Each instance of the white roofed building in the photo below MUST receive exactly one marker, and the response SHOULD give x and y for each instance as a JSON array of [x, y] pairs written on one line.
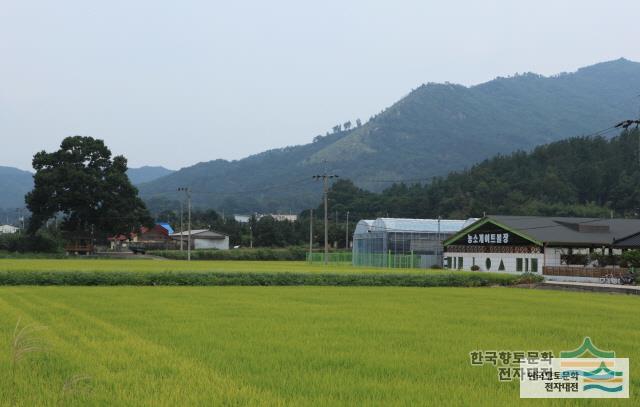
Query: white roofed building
[[400, 243], [203, 239]]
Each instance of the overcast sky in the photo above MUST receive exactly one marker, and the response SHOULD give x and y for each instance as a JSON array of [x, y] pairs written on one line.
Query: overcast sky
[[173, 83]]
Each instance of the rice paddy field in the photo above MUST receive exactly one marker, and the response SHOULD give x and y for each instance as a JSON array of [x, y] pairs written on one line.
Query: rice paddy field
[[293, 346], [144, 264]]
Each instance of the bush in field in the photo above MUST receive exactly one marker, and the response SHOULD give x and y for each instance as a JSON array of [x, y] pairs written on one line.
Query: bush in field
[[528, 278], [290, 253]]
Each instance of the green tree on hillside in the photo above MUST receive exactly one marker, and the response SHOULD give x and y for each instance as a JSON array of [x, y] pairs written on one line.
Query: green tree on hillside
[[87, 186], [582, 176]]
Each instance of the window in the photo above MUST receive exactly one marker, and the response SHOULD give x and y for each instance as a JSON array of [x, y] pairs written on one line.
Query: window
[[488, 263], [447, 262], [534, 265], [526, 264], [460, 262], [518, 264]]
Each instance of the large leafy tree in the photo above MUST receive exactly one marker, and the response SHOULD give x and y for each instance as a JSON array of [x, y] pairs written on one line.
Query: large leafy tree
[[87, 186]]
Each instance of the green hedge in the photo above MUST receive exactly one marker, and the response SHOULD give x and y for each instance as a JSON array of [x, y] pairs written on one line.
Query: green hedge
[[17, 255], [114, 278], [289, 253], [41, 243]]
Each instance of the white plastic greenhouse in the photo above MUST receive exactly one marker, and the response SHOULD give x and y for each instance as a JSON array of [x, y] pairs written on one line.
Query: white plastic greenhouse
[[403, 243]]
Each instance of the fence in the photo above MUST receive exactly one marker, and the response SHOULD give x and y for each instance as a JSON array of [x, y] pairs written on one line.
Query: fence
[[592, 272], [391, 260], [388, 260], [334, 258]]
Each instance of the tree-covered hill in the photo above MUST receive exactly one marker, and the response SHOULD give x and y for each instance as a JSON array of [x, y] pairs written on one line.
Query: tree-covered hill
[[583, 176], [147, 174], [435, 129], [14, 184]]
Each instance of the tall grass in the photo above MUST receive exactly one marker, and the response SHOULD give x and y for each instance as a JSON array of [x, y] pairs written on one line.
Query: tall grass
[[25, 340]]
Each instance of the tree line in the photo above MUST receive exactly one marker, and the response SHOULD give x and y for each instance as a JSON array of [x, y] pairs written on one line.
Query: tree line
[[582, 176], [585, 176]]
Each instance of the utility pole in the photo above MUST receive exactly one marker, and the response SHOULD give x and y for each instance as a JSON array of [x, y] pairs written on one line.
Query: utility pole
[[92, 239], [181, 223], [438, 251], [325, 188], [347, 233], [187, 191], [311, 235]]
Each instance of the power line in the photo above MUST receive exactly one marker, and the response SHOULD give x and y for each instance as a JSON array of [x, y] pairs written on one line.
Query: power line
[[231, 193]]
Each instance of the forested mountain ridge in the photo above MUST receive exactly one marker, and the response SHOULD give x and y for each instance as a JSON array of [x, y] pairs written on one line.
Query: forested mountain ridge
[[15, 183], [435, 129], [582, 176], [147, 174]]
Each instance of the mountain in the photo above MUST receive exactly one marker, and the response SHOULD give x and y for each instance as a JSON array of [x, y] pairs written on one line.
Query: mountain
[[582, 176], [14, 184], [435, 129], [147, 174]]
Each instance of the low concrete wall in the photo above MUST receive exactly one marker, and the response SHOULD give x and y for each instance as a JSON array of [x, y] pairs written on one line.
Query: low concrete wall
[[572, 279]]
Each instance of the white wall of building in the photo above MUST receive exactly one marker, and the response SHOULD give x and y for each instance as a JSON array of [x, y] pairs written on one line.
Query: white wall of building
[[220, 244], [509, 260], [552, 256], [7, 229]]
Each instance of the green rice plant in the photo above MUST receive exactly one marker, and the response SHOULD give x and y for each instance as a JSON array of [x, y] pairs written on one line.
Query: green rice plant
[[302, 346], [76, 384], [259, 254]]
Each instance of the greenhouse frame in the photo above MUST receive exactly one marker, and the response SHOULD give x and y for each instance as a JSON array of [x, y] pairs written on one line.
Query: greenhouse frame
[[403, 243]]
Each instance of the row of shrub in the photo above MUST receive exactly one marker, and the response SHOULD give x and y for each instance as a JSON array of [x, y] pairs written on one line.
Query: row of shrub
[[22, 243], [289, 253], [32, 255], [134, 278]]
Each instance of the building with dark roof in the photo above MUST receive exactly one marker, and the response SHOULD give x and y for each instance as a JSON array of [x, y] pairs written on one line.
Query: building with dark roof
[[541, 244]]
